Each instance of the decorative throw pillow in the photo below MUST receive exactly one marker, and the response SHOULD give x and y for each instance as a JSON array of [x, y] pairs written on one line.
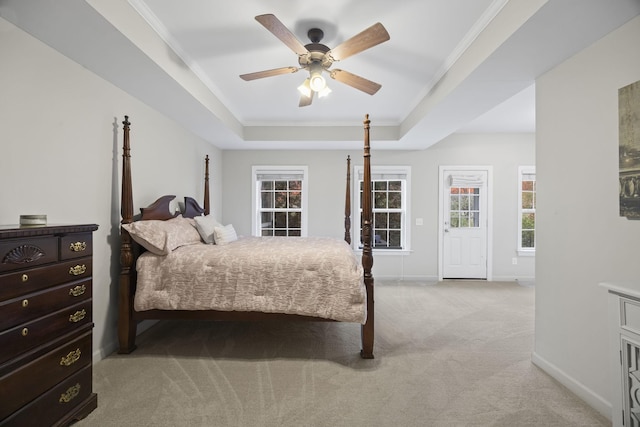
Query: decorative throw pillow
[[205, 226], [224, 235], [161, 237]]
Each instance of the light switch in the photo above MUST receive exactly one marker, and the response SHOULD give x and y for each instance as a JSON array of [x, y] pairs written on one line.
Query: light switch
[[418, 221]]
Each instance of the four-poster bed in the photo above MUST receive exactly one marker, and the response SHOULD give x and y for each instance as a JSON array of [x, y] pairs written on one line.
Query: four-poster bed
[[328, 285]]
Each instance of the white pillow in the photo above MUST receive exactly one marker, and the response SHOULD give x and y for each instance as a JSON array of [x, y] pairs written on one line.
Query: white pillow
[[205, 226], [224, 235]]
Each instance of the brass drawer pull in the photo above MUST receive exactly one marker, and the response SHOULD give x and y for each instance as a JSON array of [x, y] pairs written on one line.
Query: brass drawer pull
[[77, 291], [25, 332], [25, 303], [78, 270], [77, 316], [78, 246], [25, 278], [70, 394], [71, 358]]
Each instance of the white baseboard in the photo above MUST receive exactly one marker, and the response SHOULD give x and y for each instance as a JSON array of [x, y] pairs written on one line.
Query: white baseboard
[[594, 400], [112, 346]]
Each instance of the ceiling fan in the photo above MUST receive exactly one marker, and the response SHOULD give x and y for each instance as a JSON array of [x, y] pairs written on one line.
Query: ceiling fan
[[318, 58]]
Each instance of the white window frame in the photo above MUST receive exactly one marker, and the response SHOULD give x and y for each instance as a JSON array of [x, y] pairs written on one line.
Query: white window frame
[[404, 174], [522, 171], [255, 193]]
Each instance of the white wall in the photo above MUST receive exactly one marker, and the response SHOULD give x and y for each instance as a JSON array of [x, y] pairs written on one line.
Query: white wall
[[61, 156], [581, 238], [327, 170]]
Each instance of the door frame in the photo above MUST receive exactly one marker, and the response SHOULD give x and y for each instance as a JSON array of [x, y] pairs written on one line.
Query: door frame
[[441, 219]]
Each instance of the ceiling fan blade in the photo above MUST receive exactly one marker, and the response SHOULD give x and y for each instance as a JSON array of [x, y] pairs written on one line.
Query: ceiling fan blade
[[370, 37], [277, 28], [306, 100], [357, 82], [268, 73]]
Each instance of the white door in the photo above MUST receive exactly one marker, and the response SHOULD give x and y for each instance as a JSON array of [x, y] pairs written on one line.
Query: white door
[[464, 228]]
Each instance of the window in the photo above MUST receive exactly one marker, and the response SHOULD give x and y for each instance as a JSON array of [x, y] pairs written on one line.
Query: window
[[390, 187], [279, 201], [526, 210], [464, 208]]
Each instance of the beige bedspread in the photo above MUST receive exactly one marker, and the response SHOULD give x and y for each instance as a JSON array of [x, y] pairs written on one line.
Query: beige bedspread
[[312, 276]]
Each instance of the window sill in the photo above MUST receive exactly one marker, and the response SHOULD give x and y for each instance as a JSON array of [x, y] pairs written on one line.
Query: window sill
[[386, 252], [527, 253]]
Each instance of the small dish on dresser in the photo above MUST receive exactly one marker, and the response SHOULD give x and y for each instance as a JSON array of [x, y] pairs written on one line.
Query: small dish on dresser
[[32, 220]]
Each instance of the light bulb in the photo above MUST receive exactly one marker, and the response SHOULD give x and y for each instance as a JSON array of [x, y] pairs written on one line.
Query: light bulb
[[317, 83], [305, 89]]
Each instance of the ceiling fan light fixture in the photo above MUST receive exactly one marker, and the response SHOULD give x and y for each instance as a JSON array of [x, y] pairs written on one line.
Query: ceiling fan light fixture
[[305, 88], [324, 92], [316, 81]]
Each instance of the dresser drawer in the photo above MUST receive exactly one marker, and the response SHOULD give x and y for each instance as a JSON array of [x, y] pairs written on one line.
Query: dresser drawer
[[37, 377], [32, 334], [30, 306], [17, 254], [70, 400], [27, 281], [76, 245]]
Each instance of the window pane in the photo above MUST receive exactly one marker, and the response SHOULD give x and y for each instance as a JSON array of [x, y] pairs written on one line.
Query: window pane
[[379, 185], [380, 200], [464, 219], [280, 185], [527, 185], [475, 202], [380, 238], [528, 221], [280, 219], [474, 219], [527, 200], [395, 185], [381, 220], [295, 199], [395, 220], [295, 220], [267, 199], [394, 238], [280, 200], [455, 220], [455, 203], [295, 185], [528, 239], [266, 218], [280, 232], [267, 185], [295, 233], [395, 200], [266, 233], [464, 202]]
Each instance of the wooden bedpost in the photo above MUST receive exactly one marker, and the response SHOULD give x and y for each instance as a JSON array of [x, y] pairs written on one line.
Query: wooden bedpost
[[126, 324], [347, 204], [207, 209], [367, 330]]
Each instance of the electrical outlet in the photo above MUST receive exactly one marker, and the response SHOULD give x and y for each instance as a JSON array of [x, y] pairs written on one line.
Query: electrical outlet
[[514, 261]]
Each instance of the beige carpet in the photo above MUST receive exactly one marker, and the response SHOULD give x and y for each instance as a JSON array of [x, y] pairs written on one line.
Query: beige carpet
[[447, 354]]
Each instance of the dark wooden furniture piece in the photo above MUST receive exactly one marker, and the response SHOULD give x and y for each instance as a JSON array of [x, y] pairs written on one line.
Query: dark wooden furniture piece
[[45, 324], [128, 317]]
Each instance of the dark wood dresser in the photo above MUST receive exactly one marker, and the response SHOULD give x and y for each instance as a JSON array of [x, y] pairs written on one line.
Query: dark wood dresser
[[46, 324]]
